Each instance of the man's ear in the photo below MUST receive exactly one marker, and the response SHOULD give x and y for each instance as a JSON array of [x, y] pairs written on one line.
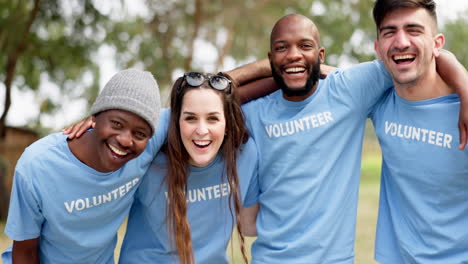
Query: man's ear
[[322, 55], [376, 48], [439, 42]]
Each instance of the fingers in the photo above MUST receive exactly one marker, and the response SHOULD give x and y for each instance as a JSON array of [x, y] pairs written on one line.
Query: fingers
[[78, 129], [463, 132], [325, 70], [73, 130], [66, 130], [84, 125]]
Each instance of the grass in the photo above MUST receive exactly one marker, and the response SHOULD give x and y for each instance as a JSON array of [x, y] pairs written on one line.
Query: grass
[[4, 240]]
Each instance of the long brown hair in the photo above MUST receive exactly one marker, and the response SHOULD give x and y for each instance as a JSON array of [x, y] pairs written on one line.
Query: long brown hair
[[176, 178]]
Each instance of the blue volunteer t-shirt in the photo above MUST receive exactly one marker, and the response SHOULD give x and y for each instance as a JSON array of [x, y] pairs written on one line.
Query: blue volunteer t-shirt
[[310, 159], [208, 213], [423, 210], [74, 209]]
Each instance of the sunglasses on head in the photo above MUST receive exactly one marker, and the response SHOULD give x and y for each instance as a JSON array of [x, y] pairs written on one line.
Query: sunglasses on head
[[217, 82]]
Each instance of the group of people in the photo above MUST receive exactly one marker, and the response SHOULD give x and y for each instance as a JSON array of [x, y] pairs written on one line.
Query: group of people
[[284, 167]]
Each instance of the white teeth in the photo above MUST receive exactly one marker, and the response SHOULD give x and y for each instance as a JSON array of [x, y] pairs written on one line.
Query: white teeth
[[294, 69], [118, 151], [202, 142], [404, 57]]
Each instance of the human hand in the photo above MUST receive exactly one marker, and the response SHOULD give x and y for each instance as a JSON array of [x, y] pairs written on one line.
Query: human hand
[[463, 122], [325, 70], [76, 130]]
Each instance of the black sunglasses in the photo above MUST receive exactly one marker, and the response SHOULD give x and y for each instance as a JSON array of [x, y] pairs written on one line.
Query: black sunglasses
[[217, 82]]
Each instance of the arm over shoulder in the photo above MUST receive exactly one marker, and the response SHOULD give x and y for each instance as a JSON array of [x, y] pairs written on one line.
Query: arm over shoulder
[[160, 136], [365, 83]]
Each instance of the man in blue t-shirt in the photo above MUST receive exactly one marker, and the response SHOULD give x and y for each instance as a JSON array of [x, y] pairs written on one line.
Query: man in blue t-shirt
[[69, 197], [423, 208], [309, 137]]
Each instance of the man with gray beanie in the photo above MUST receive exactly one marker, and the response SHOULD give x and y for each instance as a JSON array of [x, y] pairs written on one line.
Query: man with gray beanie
[[69, 197]]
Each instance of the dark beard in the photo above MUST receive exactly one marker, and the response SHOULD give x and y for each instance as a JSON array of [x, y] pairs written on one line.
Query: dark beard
[[311, 81]]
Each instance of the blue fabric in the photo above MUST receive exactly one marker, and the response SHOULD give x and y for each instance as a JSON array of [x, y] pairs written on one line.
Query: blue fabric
[[209, 216], [423, 210], [6, 255], [74, 209], [309, 167]]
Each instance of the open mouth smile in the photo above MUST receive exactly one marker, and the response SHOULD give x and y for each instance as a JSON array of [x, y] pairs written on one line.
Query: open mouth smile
[[202, 143], [401, 59], [295, 70], [117, 152]]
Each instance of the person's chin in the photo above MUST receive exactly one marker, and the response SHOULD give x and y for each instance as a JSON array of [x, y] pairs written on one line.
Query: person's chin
[[296, 86], [295, 91]]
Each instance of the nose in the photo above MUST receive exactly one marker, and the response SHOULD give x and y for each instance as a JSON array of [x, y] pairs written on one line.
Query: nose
[[402, 40], [294, 53], [125, 139], [202, 128]]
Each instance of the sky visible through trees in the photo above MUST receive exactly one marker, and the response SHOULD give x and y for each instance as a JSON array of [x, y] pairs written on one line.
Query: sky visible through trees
[[53, 87]]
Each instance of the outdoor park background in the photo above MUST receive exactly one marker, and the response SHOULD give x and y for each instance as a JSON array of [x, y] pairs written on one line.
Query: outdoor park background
[[57, 54]]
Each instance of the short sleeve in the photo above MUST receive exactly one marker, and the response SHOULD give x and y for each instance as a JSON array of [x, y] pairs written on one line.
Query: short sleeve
[[365, 83], [25, 216], [160, 135], [251, 197], [248, 173]]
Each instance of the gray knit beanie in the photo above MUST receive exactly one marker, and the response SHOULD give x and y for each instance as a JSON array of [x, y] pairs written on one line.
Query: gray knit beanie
[[134, 91]]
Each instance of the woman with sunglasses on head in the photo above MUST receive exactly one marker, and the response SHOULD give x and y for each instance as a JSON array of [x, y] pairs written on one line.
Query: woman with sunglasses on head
[[192, 195]]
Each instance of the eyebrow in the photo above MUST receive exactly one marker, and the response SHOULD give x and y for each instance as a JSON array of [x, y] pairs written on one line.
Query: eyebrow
[[414, 25], [284, 41], [125, 121], [191, 113]]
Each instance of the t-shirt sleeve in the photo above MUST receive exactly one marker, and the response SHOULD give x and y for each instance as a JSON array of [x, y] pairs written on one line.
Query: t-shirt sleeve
[[152, 182], [248, 111], [253, 191], [248, 162], [374, 111], [365, 83], [160, 135], [25, 216]]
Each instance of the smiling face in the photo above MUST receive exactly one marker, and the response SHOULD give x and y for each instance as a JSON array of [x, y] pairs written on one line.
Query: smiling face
[[295, 56], [407, 45], [202, 125], [120, 137]]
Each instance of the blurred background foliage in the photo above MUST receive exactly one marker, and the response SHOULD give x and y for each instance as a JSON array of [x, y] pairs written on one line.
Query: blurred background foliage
[[56, 42], [45, 43]]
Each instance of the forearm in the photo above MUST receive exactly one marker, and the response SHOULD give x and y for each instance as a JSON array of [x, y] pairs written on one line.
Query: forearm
[[325, 70], [258, 85], [256, 89], [26, 252], [251, 72], [261, 69], [453, 72], [249, 219], [456, 76]]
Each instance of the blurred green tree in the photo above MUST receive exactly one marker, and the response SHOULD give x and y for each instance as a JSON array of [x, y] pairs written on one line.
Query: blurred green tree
[[165, 40], [52, 37], [456, 33], [60, 37]]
